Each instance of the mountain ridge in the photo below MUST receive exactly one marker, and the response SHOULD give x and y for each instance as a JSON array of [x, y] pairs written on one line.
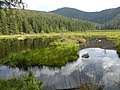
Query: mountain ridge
[[97, 17]]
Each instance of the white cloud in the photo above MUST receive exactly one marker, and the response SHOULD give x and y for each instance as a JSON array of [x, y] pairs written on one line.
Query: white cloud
[[85, 5]]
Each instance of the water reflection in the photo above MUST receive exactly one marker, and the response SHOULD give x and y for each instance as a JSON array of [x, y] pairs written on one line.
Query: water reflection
[[101, 66], [8, 46], [102, 42]]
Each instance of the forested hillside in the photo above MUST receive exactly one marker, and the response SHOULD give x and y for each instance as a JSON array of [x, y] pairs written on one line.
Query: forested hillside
[[97, 17], [14, 21], [113, 24]]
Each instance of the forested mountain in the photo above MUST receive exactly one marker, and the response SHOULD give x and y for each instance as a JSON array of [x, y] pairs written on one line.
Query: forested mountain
[[97, 17], [15, 21], [113, 24]]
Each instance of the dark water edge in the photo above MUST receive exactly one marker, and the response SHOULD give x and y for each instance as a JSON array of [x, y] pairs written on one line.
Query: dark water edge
[[99, 68], [8, 46], [101, 42], [102, 67]]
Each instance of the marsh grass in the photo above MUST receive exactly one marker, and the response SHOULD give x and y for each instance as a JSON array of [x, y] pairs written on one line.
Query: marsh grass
[[23, 83], [57, 54], [112, 34]]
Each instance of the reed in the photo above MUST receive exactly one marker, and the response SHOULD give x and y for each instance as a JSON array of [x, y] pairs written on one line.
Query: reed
[[57, 54]]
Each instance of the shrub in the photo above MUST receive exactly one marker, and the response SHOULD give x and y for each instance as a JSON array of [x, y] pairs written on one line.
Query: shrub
[[23, 83]]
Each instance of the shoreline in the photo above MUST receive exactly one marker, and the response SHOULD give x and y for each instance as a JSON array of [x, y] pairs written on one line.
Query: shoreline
[[108, 34]]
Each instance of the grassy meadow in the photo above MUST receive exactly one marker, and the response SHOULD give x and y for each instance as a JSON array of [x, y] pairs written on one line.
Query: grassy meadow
[[112, 34]]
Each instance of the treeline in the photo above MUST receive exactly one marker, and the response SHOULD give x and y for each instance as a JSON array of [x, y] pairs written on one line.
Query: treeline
[[113, 24], [16, 21], [108, 19]]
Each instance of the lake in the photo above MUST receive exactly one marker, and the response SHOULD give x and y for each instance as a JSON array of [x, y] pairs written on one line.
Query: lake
[[102, 66]]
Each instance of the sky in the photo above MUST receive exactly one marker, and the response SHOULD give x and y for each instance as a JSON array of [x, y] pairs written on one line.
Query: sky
[[84, 5]]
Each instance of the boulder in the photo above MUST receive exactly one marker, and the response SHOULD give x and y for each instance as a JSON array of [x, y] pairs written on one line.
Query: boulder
[[81, 40], [85, 55]]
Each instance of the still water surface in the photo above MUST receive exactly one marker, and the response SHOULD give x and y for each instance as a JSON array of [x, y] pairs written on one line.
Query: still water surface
[[102, 66], [8, 46]]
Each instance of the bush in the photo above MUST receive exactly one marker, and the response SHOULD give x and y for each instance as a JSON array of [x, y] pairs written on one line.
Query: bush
[[23, 83]]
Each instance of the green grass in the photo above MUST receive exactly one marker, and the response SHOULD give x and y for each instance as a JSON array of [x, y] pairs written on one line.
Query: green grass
[[23, 83], [58, 54], [29, 35], [112, 34], [108, 34]]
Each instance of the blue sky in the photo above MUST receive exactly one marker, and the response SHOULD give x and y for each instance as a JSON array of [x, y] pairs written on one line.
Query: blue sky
[[84, 5]]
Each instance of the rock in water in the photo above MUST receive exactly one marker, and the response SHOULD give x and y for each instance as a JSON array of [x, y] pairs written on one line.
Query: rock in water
[[85, 55]]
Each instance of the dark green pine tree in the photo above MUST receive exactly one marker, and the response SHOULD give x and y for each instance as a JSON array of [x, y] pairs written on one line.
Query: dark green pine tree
[[19, 21], [12, 22], [27, 28], [34, 25], [3, 22]]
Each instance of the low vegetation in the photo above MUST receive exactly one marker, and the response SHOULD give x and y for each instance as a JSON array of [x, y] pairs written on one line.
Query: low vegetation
[[91, 87], [112, 34], [58, 54], [23, 83], [30, 83]]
